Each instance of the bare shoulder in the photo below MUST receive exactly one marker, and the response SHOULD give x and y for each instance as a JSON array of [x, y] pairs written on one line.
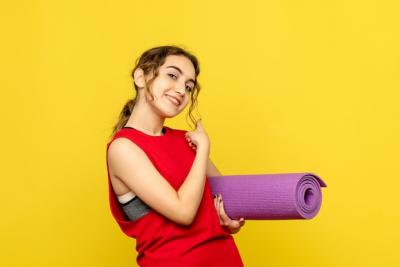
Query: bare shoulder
[[120, 143], [122, 148], [119, 149], [123, 153]]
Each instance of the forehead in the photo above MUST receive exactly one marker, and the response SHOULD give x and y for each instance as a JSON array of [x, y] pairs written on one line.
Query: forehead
[[182, 63]]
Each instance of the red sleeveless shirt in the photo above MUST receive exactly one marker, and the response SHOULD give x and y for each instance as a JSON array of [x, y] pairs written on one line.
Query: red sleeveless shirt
[[159, 241]]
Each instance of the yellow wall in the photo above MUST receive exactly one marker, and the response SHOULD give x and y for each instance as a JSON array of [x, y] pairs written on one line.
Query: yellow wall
[[288, 86]]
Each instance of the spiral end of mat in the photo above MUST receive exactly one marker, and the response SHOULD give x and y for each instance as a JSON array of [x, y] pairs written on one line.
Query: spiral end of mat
[[309, 195]]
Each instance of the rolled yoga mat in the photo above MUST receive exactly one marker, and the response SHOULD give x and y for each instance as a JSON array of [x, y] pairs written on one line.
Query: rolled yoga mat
[[269, 196]]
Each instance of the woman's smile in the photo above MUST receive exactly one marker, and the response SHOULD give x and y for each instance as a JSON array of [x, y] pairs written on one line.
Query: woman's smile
[[173, 100]]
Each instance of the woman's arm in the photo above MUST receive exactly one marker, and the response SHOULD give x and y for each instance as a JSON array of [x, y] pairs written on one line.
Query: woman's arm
[[130, 164], [212, 169]]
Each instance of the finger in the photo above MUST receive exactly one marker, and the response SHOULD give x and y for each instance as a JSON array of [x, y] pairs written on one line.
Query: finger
[[216, 208], [225, 218], [236, 224], [192, 145], [218, 205]]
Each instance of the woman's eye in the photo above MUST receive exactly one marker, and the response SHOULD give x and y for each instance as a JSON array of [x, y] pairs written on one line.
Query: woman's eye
[[172, 76]]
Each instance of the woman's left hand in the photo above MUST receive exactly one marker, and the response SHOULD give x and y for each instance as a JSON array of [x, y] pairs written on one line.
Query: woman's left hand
[[229, 225]]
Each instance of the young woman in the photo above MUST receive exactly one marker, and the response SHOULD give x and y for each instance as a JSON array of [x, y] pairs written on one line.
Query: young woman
[[158, 188]]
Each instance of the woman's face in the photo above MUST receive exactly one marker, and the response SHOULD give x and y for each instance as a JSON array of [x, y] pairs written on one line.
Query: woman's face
[[173, 85]]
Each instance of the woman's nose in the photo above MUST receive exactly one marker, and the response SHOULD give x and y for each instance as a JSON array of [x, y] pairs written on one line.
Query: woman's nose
[[180, 90]]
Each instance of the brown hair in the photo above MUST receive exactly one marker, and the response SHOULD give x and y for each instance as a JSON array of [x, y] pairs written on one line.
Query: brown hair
[[150, 62]]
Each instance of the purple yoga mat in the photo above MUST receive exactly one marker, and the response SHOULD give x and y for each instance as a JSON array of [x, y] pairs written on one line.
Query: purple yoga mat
[[269, 196]]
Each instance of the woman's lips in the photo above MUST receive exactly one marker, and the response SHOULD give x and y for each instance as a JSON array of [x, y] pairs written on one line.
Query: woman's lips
[[173, 100]]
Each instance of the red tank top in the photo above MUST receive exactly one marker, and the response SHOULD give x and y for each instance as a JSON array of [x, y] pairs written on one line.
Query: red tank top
[[159, 241]]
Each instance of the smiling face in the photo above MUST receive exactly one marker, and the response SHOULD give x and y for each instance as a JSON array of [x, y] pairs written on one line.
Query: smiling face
[[173, 86]]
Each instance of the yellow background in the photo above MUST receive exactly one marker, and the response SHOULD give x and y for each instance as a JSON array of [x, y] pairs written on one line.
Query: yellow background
[[288, 86]]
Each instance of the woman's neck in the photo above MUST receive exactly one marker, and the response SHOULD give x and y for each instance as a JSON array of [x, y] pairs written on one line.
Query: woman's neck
[[145, 120]]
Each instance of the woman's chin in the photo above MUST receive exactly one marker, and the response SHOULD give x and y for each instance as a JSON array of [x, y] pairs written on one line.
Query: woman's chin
[[169, 113]]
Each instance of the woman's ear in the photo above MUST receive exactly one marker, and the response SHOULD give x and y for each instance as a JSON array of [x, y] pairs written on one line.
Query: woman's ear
[[138, 77]]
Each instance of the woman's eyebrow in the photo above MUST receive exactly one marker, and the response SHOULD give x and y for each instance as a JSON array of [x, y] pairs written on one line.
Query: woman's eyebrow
[[180, 71]]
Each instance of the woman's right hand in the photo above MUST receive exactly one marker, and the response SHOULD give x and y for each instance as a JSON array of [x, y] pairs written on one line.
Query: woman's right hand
[[198, 139]]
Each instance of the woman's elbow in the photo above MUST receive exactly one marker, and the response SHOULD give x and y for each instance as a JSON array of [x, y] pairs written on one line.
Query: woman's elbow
[[185, 218]]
